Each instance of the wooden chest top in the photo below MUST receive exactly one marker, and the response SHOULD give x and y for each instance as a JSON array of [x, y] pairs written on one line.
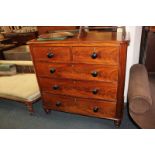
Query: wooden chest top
[[100, 38]]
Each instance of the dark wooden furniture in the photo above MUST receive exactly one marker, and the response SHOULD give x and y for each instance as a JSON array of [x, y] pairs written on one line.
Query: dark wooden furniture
[[18, 53], [5, 41], [4, 47], [21, 38], [83, 76], [151, 28], [103, 28], [147, 51]]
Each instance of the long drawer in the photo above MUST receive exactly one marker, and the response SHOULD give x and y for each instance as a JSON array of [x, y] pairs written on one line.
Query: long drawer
[[88, 107], [52, 54], [96, 55], [85, 89], [78, 71]]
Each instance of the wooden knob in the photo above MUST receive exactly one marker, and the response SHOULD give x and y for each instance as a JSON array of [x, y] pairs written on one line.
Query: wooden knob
[[52, 70], [50, 55], [95, 91], [95, 109], [55, 87], [58, 103], [94, 74], [94, 55]]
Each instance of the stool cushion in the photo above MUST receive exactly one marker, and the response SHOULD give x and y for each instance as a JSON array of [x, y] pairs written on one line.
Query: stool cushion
[[21, 87], [17, 62]]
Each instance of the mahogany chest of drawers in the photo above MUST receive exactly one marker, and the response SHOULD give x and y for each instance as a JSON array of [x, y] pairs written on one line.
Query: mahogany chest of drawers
[[83, 76]]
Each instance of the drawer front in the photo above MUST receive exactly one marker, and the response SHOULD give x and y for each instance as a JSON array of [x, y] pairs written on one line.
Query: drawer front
[[88, 107], [78, 71], [85, 89], [96, 55], [52, 54]]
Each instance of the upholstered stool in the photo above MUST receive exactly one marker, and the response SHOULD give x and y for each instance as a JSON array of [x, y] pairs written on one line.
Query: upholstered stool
[[22, 87]]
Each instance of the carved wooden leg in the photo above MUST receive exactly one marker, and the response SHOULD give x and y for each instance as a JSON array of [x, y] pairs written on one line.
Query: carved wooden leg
[[117, 123], [30, 107]]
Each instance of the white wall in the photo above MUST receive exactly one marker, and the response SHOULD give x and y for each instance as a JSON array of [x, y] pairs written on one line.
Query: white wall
[[133, 51]]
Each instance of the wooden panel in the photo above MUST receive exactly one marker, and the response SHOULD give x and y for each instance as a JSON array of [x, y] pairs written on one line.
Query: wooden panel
[[106, 91], [105, 55], [78, 71], [103, 109], [121, 84], [57, 54]]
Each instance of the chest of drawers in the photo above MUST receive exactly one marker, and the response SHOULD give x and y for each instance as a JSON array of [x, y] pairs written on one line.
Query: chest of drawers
[[83, 76]]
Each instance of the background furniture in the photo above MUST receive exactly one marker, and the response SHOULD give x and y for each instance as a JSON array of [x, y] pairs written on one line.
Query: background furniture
[[151, 28], [18, 53], [4, 47], [147, 52], [22, 87], [21, 38], [5, 41], [83, 76], [141, 96], [46, 29], [103, 28]]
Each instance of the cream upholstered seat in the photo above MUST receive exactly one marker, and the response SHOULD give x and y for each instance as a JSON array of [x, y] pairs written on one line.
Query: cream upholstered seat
[[21, 63], [21, 87]]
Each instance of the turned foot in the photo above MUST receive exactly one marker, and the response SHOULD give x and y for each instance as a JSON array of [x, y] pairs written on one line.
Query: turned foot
[[31, 113], [117, 123], [47, 111]]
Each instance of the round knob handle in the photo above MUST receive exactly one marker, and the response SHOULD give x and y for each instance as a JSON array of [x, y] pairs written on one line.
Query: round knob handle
[[55, 87], [58, 103], [52, 70], [95, 91], [50, 55], [95, 109], [94, 73], [94, 55]]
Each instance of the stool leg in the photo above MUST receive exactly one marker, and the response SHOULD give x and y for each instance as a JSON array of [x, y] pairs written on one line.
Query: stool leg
[[30, 107]]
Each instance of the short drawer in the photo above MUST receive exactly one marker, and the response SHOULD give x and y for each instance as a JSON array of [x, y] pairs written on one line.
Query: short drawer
[[78, 71], [88, 107], [96, 55], [51, 54], [85, 89]]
